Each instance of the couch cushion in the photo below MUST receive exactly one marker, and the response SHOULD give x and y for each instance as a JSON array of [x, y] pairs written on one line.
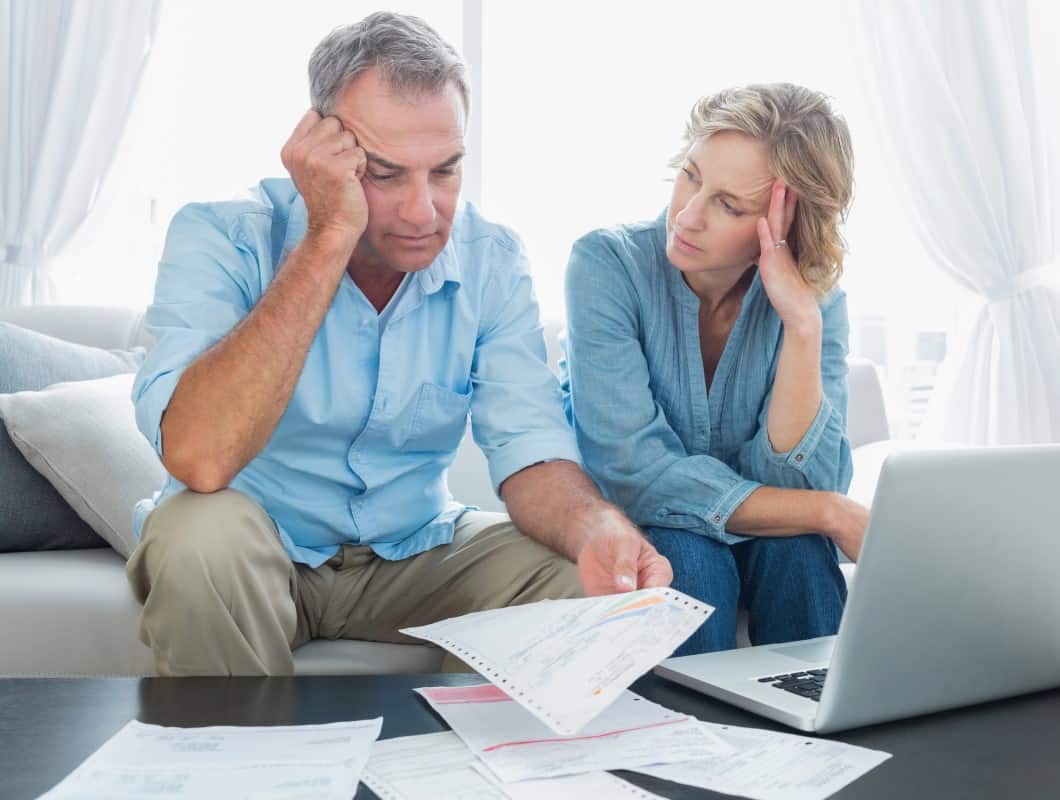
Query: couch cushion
[[82, 437], [33, 516], [71, 613]]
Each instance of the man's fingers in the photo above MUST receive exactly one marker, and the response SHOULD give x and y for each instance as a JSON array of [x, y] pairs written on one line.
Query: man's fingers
[[355, 160], [655, 569], [305, 124], [327, 129]]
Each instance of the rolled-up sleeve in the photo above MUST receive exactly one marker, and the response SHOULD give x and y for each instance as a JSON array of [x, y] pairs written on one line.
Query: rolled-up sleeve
[[821, 460], [627, 445], [516, 406], [201, 292]]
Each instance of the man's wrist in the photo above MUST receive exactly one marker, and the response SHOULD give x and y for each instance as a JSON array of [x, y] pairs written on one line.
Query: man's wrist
[[590, 519], [330, 243]]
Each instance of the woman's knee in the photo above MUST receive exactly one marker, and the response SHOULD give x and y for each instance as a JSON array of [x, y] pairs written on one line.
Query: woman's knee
[[703, 567]]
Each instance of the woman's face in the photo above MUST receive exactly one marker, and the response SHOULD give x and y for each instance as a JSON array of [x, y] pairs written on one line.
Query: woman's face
[[720, 191]]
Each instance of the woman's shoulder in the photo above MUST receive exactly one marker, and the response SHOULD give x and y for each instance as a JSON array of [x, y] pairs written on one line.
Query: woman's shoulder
[[621, 250]]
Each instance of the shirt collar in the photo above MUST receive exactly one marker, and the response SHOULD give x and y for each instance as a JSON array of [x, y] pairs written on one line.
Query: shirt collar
[[445, 268]]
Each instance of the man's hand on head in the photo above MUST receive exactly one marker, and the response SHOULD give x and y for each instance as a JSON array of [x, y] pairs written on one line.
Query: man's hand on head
[[327, 166]]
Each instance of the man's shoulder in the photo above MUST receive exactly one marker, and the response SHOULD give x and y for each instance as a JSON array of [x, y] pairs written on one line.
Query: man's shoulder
[[257, 207], [472, 230]]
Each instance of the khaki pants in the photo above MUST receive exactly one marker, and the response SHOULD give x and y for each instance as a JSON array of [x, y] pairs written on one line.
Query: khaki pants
[[222, 597]]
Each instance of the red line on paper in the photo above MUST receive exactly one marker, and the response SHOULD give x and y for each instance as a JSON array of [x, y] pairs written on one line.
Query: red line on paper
[[581, 738]]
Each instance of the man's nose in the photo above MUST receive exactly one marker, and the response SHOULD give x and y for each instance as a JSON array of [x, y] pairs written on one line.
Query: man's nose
[[418, 206]]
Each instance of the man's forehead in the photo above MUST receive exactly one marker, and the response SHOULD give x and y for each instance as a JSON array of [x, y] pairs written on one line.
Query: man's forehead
[[402, 130]]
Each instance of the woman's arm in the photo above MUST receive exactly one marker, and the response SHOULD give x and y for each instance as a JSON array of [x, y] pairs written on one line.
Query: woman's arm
[[820, 457], [797, 390], [771, 511], [801, 442]]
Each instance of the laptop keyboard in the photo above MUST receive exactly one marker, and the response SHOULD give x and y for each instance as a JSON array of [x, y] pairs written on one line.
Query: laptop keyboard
[[806, 684]]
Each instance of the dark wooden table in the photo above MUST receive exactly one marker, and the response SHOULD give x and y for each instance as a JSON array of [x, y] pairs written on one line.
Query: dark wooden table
[[1007, 749]]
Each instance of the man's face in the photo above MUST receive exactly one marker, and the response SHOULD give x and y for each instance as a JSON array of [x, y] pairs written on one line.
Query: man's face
[[412, 182]]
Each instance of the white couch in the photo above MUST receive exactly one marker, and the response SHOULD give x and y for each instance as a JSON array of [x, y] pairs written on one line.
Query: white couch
[[71, 612]]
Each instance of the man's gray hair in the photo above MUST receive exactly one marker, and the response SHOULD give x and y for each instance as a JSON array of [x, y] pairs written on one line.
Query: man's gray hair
[[411, 55]]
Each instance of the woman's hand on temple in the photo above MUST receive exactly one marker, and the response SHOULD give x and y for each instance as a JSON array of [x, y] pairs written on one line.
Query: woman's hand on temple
[[794, 300]]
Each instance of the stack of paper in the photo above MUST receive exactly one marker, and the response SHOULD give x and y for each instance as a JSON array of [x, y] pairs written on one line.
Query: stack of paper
[[515, 746], [559, 706], [441, 765]]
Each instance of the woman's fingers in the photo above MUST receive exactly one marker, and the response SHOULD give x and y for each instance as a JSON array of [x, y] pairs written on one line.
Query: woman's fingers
[[790, 200], [765, 239], [777, 228]]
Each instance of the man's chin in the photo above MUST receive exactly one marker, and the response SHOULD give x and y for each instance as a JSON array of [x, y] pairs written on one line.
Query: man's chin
[[411, 264]]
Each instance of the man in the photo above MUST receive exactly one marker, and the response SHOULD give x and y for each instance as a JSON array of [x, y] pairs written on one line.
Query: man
[[319, 348]]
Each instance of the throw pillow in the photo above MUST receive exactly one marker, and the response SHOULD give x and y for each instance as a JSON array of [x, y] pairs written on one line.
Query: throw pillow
[[83, 438], [33, 515]]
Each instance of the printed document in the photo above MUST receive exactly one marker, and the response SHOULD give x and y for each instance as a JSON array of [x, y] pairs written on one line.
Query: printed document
[[440, 765], [567, 660], [275, 762], [765, 765], [516, 746]]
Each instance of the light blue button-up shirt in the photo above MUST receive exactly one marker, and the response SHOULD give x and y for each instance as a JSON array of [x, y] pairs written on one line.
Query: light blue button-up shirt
[[669, 452], [361, 452]]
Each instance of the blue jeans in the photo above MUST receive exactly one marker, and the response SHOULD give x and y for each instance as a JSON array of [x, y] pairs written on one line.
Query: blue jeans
[[791, 586]]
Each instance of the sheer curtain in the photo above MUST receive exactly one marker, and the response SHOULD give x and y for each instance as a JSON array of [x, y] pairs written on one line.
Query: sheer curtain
[[72, 69], [968, 120]]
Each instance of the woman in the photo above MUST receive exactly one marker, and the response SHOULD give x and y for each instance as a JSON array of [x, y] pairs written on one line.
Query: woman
[[706, 362]]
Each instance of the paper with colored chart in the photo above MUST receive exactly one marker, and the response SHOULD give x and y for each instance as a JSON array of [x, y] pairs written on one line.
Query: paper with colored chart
[[567, 660], [437, 765], [516, 746]]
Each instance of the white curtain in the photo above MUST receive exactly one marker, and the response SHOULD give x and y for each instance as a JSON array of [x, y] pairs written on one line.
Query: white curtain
[[70, 72], [973, 145]]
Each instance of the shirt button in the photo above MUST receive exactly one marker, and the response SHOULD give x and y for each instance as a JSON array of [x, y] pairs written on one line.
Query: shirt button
[[798, 458], [717, 519], [662, 512], [365, 323]]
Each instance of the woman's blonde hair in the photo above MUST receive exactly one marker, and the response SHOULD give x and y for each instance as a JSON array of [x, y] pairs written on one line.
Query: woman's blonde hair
[[809, 149]]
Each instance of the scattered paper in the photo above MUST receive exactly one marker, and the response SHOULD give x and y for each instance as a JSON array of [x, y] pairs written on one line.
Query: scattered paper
[[765, 765], [587, 786], [427, 767], [516, 746], [296, 762], [440, 765], [567, 660]]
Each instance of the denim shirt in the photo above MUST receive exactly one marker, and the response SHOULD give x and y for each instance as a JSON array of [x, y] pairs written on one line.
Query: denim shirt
[[661, 446], [361, 451]]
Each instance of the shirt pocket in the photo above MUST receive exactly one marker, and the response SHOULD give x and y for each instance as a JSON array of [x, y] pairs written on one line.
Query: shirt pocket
[[439, 421]]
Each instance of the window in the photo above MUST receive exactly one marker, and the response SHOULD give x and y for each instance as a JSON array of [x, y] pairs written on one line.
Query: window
[[581, 106]]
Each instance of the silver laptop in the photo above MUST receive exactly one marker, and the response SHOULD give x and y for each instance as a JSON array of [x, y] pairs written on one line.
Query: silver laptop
[[955, 601]]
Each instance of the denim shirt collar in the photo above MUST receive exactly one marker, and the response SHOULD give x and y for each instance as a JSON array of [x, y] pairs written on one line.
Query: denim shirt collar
[[445, 268]]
